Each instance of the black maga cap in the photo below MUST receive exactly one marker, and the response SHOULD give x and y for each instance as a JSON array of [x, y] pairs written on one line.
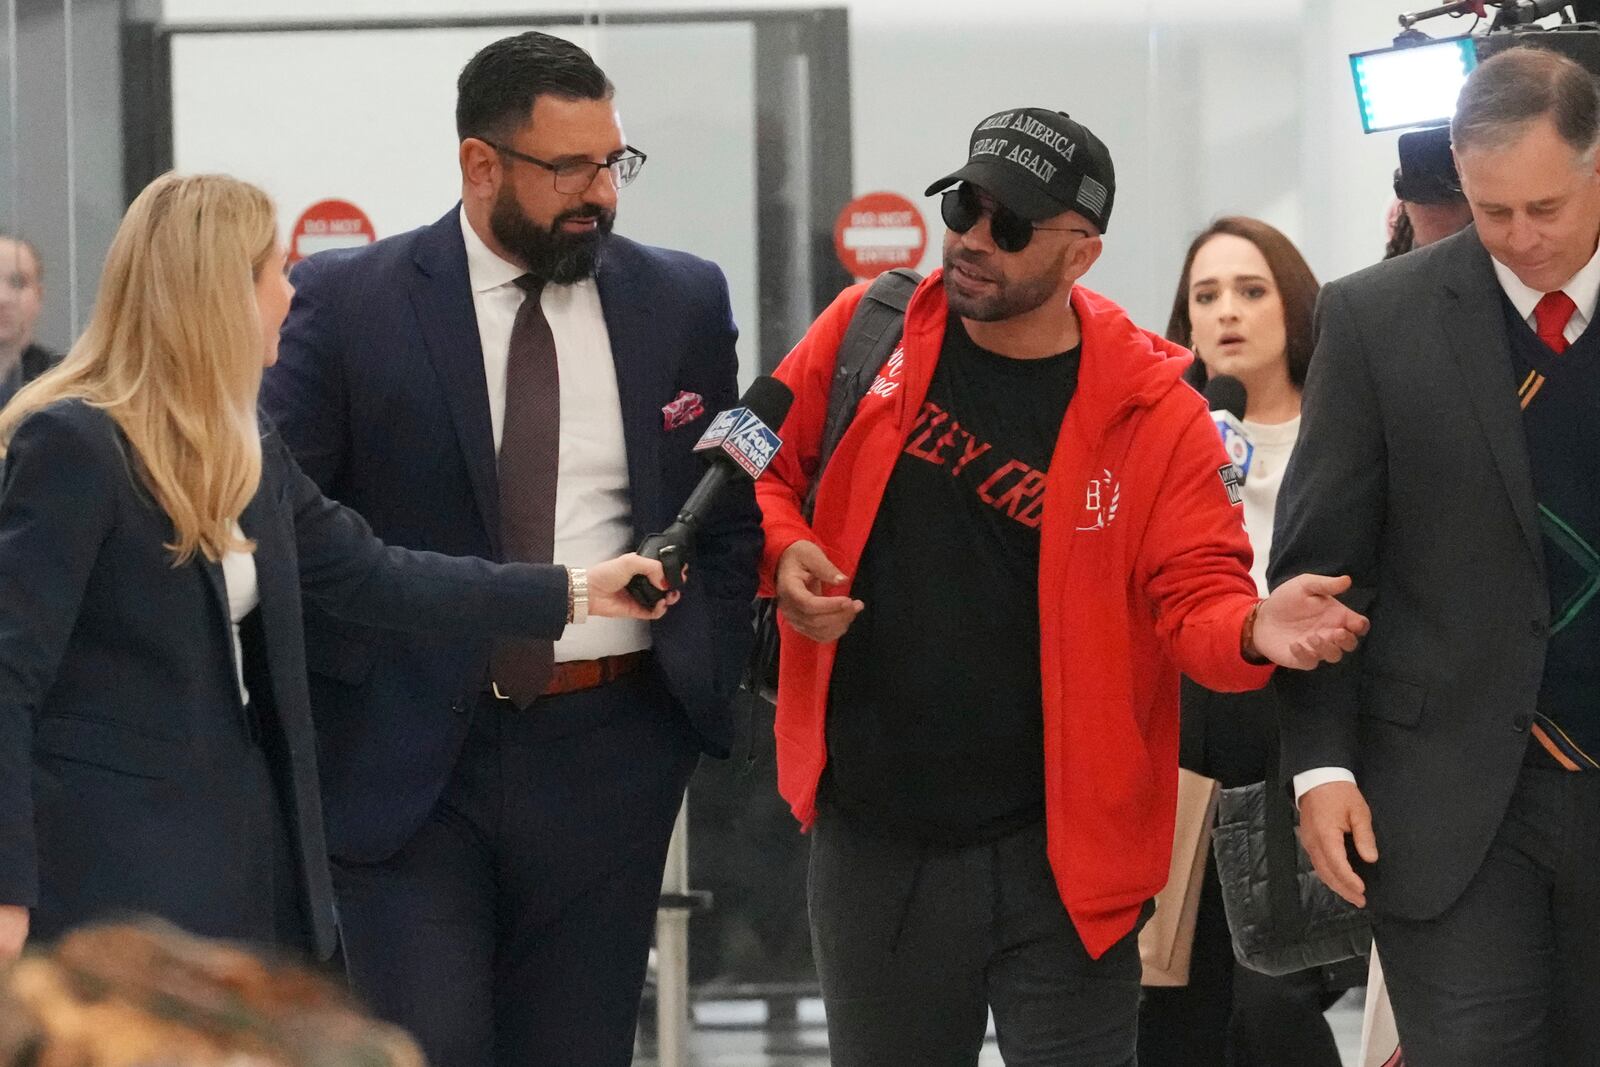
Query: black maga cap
[[1039, 163]]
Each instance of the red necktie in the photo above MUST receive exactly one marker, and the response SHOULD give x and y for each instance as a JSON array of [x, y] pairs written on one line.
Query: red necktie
[[1550, 318], [530, 450]]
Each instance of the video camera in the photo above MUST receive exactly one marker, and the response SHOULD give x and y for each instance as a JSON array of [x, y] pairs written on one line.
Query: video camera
[[1413, 84]]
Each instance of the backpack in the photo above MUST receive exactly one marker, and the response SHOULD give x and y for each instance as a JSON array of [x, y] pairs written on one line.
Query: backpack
[[873, 334]]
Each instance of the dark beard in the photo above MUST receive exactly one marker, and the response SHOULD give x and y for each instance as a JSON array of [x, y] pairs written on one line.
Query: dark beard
[[1009, 301], [548, 253]]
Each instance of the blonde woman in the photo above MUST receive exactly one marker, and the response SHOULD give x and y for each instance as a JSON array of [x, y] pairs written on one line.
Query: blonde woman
[[156, 746]]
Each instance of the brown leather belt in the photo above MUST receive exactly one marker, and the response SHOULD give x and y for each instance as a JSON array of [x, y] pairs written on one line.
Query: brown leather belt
[[574, 676]]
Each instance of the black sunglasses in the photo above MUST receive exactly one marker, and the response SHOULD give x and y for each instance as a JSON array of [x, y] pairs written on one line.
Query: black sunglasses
[[962, 207]]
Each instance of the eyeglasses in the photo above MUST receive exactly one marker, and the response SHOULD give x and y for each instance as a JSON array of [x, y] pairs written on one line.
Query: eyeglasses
[[576, 175], [963, 206]]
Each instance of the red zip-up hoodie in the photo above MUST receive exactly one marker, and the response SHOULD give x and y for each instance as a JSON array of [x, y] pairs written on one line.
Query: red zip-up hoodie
[[1144, 571]]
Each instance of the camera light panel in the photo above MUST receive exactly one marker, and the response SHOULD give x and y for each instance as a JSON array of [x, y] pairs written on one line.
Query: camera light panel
[[1413, 85]]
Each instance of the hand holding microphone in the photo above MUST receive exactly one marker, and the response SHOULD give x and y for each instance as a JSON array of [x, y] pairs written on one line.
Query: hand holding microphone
[[610, 592], [739, 443]]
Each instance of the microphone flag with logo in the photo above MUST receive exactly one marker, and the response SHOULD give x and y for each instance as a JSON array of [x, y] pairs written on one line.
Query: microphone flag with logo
[[740, 443], [1226, 396]]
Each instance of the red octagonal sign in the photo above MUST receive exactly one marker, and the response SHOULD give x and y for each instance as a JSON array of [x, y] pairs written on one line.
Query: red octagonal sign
[[329, 224], [877, 232]]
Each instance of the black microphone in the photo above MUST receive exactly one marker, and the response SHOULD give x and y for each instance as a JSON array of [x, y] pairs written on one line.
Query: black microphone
[[1226, 397], [1534, 10], [1526, 12], [739, 443]]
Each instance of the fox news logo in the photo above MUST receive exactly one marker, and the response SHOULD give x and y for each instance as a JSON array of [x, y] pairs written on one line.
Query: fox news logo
[[719, 429], [743, 438], [752, 445]]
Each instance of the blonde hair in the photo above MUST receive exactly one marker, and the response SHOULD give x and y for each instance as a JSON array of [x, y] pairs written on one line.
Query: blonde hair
[[173, 352], [135, 995]]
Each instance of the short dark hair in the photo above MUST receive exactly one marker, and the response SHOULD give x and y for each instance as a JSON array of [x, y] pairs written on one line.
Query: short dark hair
[[33, 250], [1519, 85], [1297, 288], [498, 86]]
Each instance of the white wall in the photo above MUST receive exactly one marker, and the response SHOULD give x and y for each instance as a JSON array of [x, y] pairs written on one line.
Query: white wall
[[369, 117], [950, 13], [1231, 106]]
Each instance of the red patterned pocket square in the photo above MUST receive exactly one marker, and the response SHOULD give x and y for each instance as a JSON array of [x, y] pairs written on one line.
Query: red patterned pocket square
[[684, 409]]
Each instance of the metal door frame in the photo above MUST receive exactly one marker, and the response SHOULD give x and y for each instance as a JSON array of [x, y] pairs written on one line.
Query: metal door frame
[[802, 70]]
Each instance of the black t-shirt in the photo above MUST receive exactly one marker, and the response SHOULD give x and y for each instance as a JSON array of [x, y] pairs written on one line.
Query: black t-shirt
[[935, 724]]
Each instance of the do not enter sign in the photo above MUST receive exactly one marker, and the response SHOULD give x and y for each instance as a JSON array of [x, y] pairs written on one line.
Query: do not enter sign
[[878, 232], [329, 224]]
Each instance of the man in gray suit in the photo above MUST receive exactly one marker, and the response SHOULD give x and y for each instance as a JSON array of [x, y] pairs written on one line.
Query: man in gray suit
[[1450, 462]]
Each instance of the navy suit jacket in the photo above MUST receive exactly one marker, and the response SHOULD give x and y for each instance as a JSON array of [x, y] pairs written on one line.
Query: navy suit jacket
[[381, 393], [125, 782]]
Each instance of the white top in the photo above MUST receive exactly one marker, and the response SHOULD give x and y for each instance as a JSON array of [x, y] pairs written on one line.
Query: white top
[[1584, 289], [1273, 444], [594, 515], [239, 579]]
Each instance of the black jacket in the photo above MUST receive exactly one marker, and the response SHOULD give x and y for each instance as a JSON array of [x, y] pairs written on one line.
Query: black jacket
[[1412, 476], [35, 360], [123, 739]]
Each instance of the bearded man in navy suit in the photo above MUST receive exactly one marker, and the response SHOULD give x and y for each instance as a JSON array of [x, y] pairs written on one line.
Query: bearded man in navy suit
[[516, 382]]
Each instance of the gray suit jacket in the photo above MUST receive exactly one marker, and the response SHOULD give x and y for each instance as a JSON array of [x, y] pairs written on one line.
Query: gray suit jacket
[[1412, 476]]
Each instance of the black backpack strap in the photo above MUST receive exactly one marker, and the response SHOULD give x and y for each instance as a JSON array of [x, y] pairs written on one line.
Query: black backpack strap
[[874, 330], [872, 335]]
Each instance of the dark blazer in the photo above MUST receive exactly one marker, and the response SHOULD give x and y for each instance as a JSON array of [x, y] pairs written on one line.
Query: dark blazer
[[381, 394], [122, 734], [35, 360], [1412, 476]]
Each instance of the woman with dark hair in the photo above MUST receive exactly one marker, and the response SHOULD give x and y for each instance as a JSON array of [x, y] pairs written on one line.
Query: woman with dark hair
[[1244, 306]]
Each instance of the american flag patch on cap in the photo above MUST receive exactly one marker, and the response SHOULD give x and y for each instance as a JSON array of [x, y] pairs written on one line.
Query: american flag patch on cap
[[1092, 195]]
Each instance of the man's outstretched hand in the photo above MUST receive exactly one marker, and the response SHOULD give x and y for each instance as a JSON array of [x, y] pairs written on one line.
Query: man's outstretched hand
[[1302, 623]]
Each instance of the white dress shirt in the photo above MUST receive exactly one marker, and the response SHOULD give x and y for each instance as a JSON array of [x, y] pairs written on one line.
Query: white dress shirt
[[1584, 289], [244, 594], [594, 514]]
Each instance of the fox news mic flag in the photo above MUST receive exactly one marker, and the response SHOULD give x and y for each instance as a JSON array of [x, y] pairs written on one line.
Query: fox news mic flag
[[740, 443]]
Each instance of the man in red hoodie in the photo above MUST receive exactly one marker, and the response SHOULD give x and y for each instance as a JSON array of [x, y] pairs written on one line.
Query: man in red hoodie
[[980, 727]]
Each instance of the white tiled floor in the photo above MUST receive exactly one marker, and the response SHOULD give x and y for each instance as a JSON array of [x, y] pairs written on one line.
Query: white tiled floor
[[732, 1034]]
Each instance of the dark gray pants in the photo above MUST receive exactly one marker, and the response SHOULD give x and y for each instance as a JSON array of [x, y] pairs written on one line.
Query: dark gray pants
[[1511, 972], [915, 945]]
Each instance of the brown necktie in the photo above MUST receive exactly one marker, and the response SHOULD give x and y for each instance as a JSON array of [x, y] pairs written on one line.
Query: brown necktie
[[530, 452]]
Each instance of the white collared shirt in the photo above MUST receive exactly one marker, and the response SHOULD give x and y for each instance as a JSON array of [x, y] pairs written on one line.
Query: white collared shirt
[[1584, 289], [594, 514], [244, 595]]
